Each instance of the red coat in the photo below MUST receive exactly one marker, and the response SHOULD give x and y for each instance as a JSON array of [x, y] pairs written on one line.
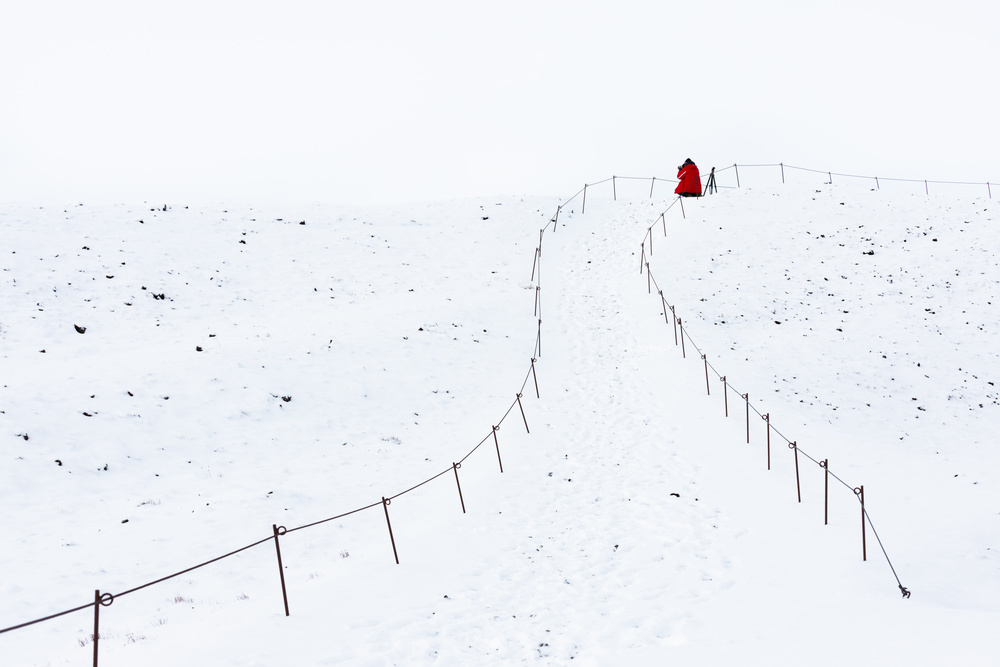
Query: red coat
[[690, 180]]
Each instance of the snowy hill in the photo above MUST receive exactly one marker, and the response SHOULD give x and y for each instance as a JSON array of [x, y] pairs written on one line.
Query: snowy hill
[[177, 380]]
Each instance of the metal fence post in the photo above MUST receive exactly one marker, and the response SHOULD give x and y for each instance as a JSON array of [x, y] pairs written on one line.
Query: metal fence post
[[281, 570], [385, 506]]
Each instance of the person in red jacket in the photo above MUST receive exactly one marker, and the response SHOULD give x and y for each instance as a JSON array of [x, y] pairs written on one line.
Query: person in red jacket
[[690, 180]]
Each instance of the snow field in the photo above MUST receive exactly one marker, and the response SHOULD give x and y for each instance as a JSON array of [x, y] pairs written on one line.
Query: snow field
[[578, 553]]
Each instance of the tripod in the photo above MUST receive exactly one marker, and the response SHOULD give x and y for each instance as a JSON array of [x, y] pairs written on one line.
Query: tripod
[[710, 186]]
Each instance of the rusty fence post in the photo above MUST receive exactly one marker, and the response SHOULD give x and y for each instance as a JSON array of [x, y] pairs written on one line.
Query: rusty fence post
[[825, 465], [798, 487], [583, 209], [708, 387], [614, 188], [782, 165], [535, 378], [860, 492], [680, 323], [651, 187], [767, 418], [97, 622], [674, 313], [281, 570], [522, 414], [385, 506], [725, 394], [746, 397], [737, 168], [455, 467], [497, 443], [681, 200]]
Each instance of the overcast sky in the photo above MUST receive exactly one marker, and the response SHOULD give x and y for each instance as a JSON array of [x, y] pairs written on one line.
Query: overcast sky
[[366, 101]]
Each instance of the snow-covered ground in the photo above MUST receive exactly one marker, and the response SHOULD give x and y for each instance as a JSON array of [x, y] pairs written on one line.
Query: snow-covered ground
[[244, 367]]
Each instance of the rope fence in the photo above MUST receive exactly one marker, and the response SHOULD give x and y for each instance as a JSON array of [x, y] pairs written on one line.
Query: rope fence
[[680, 336], [877, 179], [105, 599]]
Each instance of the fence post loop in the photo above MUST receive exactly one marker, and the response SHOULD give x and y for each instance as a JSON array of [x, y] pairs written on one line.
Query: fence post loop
[[725, 394], [97, 622], [707, 386], [497, 443], [281, 568], [746, 397], [522, 414], [825, 465], [385, 506], [860, 492], [455, 467], [767, 418], [798, 487]]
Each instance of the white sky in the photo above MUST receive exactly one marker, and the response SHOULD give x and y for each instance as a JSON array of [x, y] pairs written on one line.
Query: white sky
[[357, 102]]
